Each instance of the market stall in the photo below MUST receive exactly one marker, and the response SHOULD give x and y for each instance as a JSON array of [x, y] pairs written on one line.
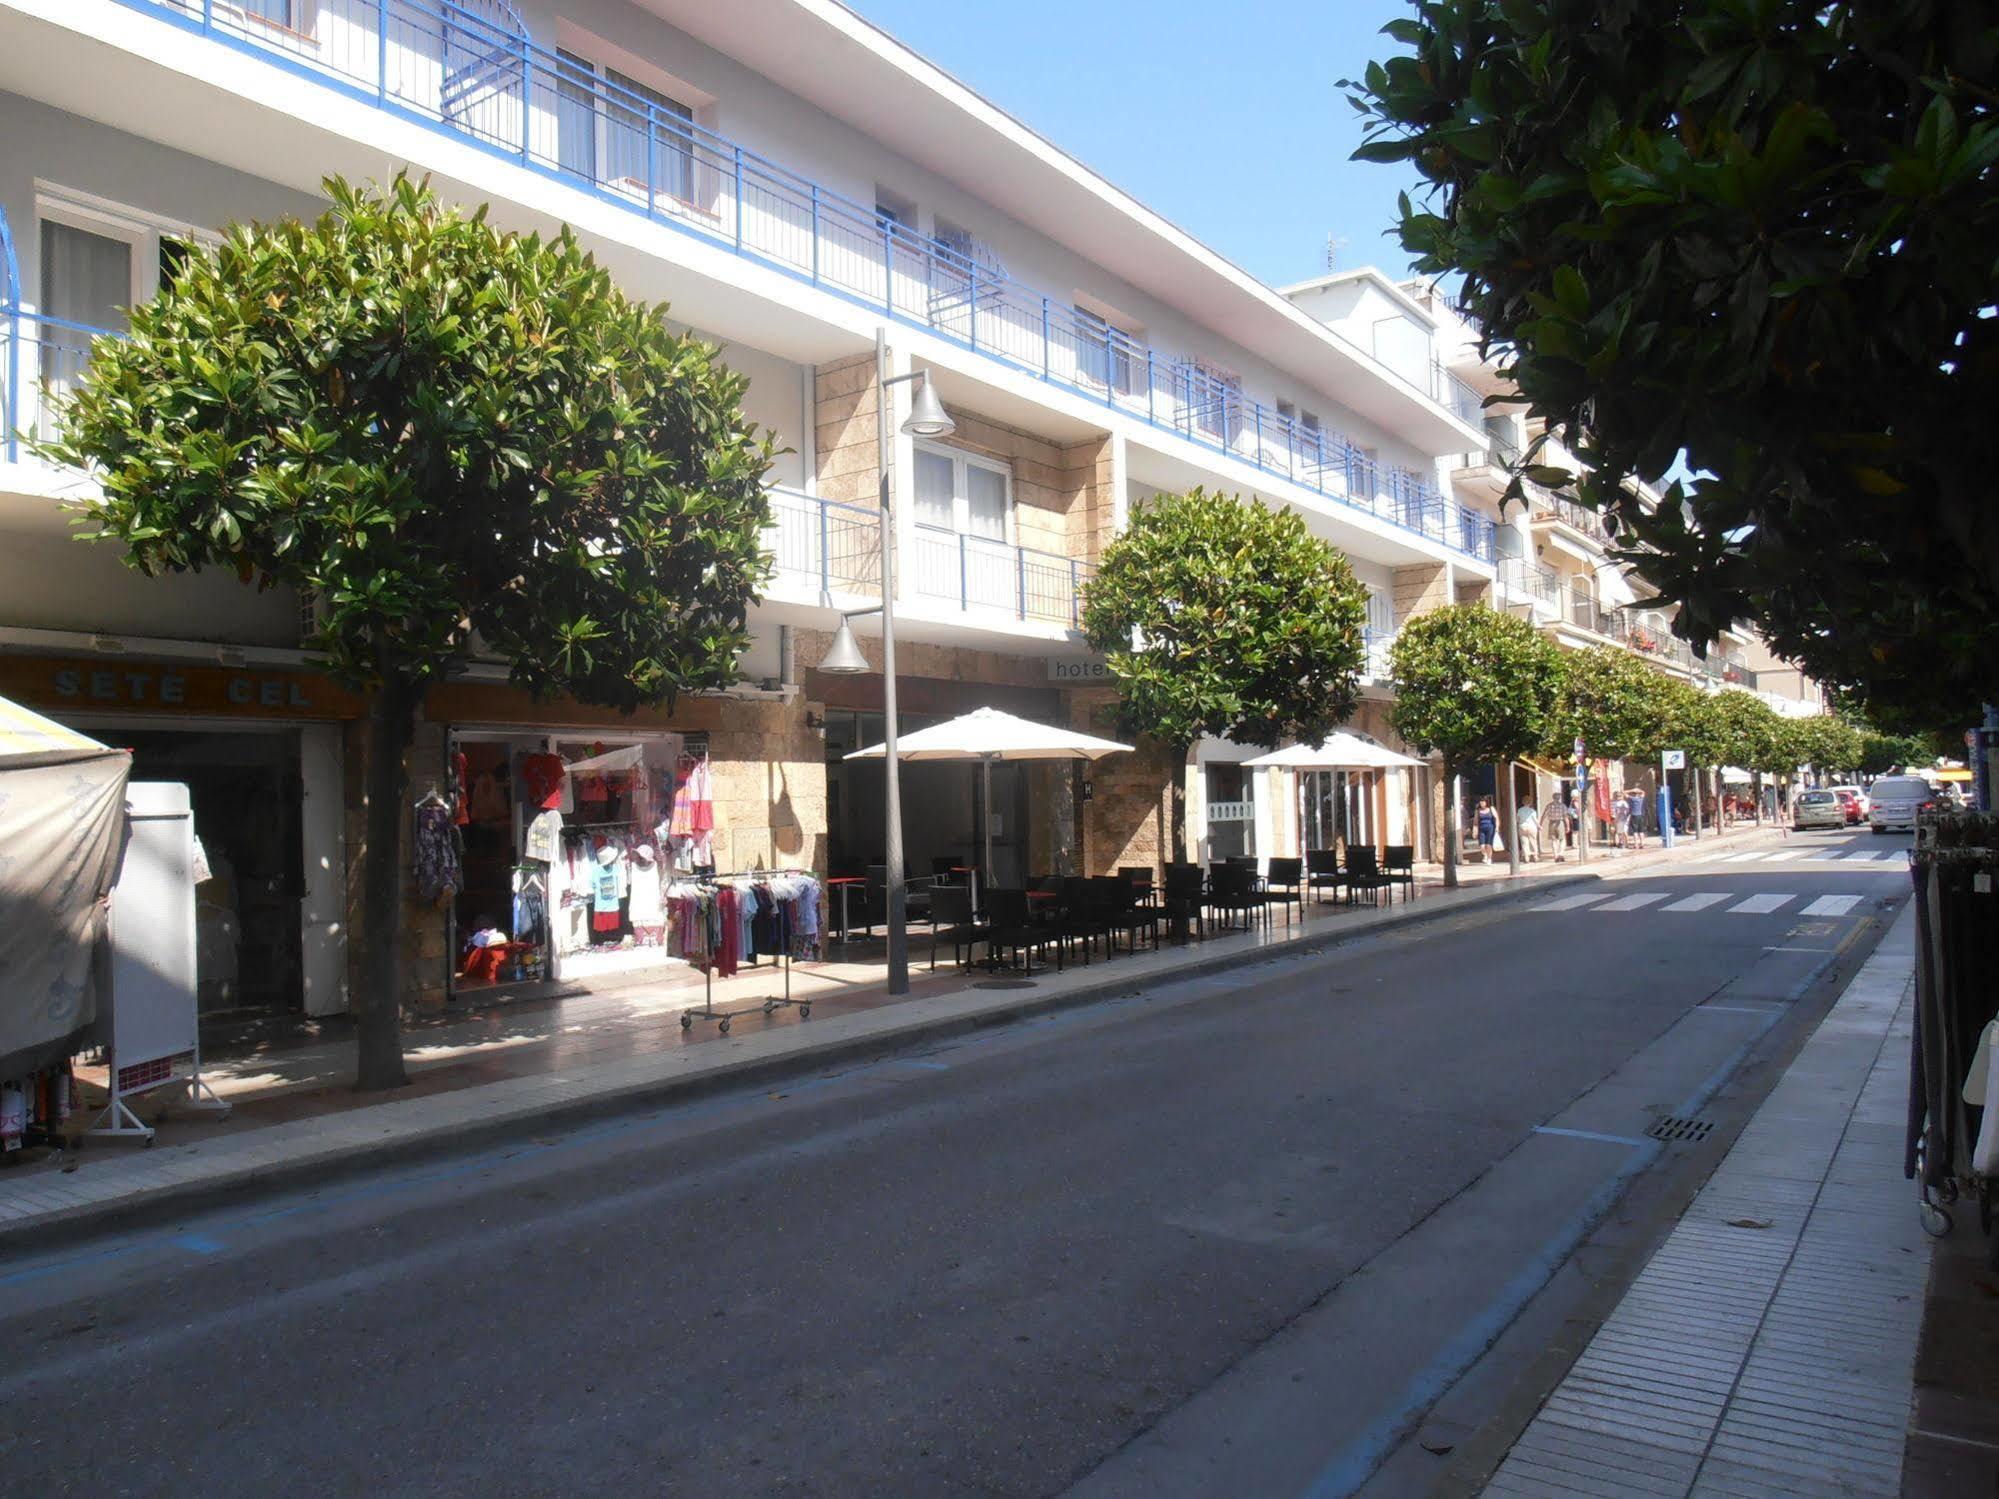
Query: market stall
[[62, 800]]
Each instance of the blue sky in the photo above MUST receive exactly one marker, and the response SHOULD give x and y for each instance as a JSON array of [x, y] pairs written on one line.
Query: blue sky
[[1224, 118]]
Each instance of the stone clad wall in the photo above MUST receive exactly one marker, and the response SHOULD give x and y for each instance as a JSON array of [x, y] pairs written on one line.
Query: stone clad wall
[[1129, 818], [847, 453], [1421, 588]]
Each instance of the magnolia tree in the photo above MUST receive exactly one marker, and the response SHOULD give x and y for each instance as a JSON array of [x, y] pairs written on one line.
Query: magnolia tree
[[1474, 686], [1225, 619], [1753, 242], [442, 434]]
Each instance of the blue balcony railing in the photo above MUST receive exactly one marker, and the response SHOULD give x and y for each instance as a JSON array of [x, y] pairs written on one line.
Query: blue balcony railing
[[834, 547], [41, 360], [451, 69]]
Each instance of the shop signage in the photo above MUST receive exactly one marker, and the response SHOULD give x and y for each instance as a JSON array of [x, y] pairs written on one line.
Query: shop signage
[[1073, 672], [1232, 811], [93, 684], [1673, 759]]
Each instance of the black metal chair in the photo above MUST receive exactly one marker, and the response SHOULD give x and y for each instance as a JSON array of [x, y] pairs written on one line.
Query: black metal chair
[[1322, 871], [1284, 886], [1010, 930], [1398, 867], [1232, 892], [1080, 918], [874, 908], [1118, 909], [1364, 874], [951, 921], [1185, 899]]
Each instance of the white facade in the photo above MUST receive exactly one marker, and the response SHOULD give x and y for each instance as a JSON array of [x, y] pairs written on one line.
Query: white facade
[[792, 182]]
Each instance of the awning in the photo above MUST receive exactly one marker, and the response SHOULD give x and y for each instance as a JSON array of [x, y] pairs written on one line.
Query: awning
[[1952, 773], [1343, 751], [1735, 775]]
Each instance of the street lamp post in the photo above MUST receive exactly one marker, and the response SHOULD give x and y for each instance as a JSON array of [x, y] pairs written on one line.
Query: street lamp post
[[927, 418]]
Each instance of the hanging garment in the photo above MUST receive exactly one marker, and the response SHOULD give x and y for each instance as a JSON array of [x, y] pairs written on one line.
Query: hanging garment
[[459, 812], [643, 882], [436, 855], [530, 908], [607, 890], [545, 782], [488, 800], [544, 837]]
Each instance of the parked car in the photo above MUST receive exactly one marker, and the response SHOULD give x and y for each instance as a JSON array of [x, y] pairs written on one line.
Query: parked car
[[1817, 809], [1854, 800], [1895, 801]]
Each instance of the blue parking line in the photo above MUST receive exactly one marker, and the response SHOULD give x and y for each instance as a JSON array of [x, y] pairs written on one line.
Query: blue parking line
[[1586, 1134]]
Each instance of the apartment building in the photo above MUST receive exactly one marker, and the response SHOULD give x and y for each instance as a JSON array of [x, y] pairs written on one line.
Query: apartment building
[[794, 183]]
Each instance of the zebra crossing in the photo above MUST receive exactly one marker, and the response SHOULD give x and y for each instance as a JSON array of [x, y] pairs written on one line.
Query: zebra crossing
[[1875, 858], [1765, 903]]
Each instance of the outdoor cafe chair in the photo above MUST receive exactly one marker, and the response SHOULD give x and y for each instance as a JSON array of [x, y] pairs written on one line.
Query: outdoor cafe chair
[[1364, 873], [1117, 906], [1398, 867], [1011, 930], [1081, 920], [1322, 871], [1232, 892], [1285, 886], [1185, 896], [951, 910]]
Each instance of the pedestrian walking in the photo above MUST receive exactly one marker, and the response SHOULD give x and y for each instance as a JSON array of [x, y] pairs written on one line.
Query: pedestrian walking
[[1620, 820], [1528, 829], [1487, 822]]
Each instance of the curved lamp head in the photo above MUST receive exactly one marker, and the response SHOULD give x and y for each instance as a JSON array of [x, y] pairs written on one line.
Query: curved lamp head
[[843, 657], [927, 416]]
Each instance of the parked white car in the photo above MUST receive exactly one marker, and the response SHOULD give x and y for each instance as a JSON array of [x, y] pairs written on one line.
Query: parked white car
[[1895, 801]]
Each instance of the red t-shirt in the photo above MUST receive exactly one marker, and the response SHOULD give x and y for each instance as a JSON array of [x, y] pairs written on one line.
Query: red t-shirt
[[542, 776]]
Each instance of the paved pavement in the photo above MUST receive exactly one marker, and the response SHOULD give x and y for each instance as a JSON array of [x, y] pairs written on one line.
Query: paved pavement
[[1241, 1232], [1769, 1347]]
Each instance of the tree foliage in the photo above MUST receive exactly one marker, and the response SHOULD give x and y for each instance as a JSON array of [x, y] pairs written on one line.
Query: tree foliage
[[1750, 734], [451, 439], [1829, 744], [1475, 685], [1611, 700], [1757, 233], [1224, 618]]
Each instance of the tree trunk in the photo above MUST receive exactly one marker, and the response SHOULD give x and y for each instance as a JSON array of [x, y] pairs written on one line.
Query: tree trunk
[[378, 1000], [1509, 814], [1450, 825], [1692, 779]]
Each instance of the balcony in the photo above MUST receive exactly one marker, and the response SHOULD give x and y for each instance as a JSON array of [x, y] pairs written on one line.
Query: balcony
[[834, 550], [1530, 580], [1554, 510], [445, 67], [40, 358]]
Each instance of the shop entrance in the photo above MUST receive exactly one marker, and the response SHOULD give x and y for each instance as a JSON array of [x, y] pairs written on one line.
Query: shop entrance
[[247, 791], [1231, 811], [1338, 808]]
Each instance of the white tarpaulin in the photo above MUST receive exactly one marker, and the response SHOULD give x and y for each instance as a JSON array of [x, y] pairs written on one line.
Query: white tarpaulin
[[62, 804], [1342, 751]]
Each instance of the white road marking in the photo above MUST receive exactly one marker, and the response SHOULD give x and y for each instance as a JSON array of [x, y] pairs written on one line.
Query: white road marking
[[1698, 902], [1635, 902], [1571, 902], [1832, 905], [1760, 905]]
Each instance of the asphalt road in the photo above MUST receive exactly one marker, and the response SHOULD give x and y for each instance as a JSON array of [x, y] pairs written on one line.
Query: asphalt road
[[1243, 1235]]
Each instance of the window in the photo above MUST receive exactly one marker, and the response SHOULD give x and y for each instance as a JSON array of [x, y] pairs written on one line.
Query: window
[[1104, 352], [613, 129], [283, 13], [1210, 400], [89, 277], [893, 211], [958, 492]]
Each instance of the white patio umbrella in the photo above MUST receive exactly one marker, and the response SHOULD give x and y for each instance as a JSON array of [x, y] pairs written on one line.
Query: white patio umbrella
[[1343, 751], [987, 736]]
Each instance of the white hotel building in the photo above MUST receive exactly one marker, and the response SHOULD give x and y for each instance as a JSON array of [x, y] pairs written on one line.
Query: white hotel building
[[791, 181]]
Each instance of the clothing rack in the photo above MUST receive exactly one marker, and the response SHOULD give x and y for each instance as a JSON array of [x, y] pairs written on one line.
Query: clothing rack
[[769, 1002]]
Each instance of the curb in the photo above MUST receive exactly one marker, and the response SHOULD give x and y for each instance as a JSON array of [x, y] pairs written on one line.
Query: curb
[[338, 1161]]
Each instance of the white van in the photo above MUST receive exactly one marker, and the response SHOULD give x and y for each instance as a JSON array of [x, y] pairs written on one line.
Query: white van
[[1894, 801]]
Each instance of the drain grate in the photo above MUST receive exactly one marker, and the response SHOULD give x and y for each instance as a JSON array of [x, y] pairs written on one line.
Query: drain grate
[[1672, 1127]]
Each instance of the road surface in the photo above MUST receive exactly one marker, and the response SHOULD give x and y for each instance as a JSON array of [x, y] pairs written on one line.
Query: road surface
[[1317, 1226]]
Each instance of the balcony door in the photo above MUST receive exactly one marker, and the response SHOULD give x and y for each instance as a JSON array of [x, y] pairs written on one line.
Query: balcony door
[[89, 277], [964, 520]]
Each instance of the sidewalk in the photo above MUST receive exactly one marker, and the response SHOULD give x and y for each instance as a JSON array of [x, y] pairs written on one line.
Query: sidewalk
[[508, 1066], [1769, 1346]]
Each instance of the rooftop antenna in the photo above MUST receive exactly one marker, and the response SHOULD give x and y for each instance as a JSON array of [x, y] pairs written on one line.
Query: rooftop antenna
[[1334, 244]]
